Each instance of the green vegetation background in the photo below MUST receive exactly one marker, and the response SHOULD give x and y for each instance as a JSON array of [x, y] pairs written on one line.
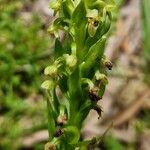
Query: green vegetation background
[[25, 49], [24, 52]]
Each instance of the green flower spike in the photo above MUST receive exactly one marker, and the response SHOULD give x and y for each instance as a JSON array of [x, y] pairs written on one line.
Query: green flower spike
[[78, 76]]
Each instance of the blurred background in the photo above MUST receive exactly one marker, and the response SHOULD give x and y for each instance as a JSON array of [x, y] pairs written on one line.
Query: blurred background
[[25, 50]]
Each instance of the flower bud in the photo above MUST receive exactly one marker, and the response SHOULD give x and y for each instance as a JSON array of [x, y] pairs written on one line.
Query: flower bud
[[101, 77], [62, 119], [71, 60], [51, 29], [48, 84], [92, 13], [51, 70], [55, 5], [107, 63], [50, 146]]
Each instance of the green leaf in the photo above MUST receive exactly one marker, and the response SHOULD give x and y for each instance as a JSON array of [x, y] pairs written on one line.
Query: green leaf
[[112, 143], [63, 83], [84, 144], [74, 85], [56, 100], [51, 122], [58, 49], [83, 111], [146, 27], [67, 105], [72, 134], [96, 51], [79, 14], [79, 22], [66, 9], [101, 90], [75, 93], [67, 43], [107, 24]]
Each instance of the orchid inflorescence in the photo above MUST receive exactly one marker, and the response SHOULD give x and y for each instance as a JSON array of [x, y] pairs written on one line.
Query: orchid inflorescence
[[78, 75]]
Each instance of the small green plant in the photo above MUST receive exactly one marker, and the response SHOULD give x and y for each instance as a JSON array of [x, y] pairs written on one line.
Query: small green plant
[[111, 143], [76, 80], [146, 32], [146, 27]]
